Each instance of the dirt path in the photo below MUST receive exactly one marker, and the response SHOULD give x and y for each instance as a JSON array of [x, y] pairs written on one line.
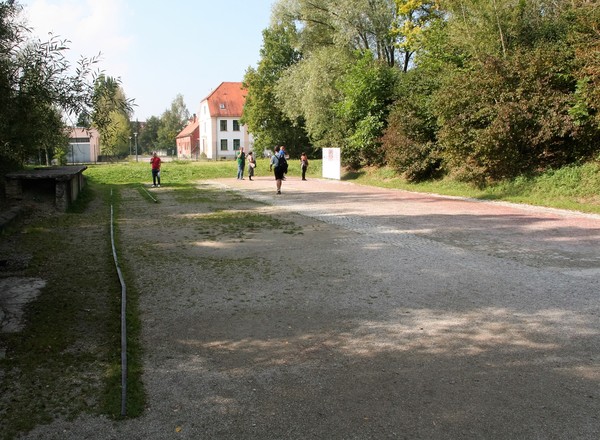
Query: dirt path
[[360, 313]]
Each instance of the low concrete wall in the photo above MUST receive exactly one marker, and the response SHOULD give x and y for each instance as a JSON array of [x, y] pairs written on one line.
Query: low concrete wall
[[65, 182]]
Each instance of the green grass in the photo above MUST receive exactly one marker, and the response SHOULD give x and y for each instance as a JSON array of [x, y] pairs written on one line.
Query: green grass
[[180, 173]]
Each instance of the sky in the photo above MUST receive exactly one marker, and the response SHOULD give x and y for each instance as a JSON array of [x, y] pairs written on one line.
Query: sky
[[158, 49]]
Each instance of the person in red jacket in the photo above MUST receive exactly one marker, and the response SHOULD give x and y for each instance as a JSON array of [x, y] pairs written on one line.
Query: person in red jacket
[[155, 161]]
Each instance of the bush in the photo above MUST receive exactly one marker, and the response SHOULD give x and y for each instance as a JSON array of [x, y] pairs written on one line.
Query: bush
[[410, 140], [510, 116]]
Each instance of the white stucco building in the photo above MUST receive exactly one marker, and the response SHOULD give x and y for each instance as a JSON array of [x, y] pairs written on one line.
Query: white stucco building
[[221, 134]]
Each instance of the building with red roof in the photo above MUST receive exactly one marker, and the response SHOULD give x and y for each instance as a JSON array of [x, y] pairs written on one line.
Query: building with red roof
[[220, 133], [188, 140]]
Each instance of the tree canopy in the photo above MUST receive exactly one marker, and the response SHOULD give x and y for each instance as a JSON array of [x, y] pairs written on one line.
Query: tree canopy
[[476, 90], [39, 89]]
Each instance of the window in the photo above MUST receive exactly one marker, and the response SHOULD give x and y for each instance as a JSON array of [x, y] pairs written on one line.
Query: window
[[236, 144], [223, 125], [222, 106], [223, 144], [236, 125]]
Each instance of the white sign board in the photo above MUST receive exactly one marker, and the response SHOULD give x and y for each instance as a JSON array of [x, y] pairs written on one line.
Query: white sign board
[[331, 163]]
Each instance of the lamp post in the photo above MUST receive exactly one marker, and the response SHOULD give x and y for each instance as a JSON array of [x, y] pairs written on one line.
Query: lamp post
[[130, 145], [136, 153]]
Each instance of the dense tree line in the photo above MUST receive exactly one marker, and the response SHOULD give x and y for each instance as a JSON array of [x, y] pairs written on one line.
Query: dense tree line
[[42, 95], [478, 90], [36, 91]]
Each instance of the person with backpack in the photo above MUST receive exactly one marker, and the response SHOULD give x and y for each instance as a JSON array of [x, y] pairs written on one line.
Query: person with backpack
[[284, 163], [278, 163]]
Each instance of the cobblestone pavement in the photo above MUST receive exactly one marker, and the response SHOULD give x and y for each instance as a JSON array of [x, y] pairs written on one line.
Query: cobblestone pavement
[[541, 237], [377, 314]]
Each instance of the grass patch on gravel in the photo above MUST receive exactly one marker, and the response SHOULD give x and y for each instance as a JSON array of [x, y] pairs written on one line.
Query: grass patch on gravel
[[239, 223]]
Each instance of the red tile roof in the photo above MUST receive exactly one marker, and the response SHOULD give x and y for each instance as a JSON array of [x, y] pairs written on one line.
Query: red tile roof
[[227, 100], [189, 129]]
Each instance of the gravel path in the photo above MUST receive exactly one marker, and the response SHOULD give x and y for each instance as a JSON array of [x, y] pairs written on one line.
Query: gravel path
[[362, 313]]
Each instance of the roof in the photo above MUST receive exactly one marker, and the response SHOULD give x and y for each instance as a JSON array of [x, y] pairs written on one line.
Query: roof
[[82, 132], [227, 100], [190, 128]]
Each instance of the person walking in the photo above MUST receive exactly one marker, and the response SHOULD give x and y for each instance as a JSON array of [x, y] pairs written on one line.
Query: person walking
[[251, 165], [278, 170], [155, 162], [282, 160], [241, 161], [303, 164]]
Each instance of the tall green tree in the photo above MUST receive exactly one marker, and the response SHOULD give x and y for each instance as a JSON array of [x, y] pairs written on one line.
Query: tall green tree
[[367, 89], [115, 140], [585, 37], [349, 24], [37, 87], [148, 136], [110, 116], [263, 115], [172, 121], [307, 91]]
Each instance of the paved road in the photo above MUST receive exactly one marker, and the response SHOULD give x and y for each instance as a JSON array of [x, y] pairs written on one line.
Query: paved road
[[362, 314], [541, 237]]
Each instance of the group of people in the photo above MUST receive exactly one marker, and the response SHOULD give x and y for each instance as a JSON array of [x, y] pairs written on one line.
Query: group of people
[[241, 162], [278, 165]]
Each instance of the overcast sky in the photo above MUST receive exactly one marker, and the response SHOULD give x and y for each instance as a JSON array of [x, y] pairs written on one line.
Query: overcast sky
[[159, 49]]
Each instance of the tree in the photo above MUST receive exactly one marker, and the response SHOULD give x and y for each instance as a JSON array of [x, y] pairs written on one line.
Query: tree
[[172, 121], [110, 116], [412, 18], [367, 89], [263, 115], [501, 87], [307, 91], [115, 139], [148, 136], [585, 37], [37, 87]]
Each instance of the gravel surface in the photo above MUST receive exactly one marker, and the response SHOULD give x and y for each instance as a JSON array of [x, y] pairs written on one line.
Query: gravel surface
[[362, 313]]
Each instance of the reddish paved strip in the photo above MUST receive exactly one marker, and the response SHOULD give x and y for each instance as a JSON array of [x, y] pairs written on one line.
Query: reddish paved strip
[[533, 235]]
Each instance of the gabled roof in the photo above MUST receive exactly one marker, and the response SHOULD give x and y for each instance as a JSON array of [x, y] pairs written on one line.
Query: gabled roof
[[190, 128], [227, 100]]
